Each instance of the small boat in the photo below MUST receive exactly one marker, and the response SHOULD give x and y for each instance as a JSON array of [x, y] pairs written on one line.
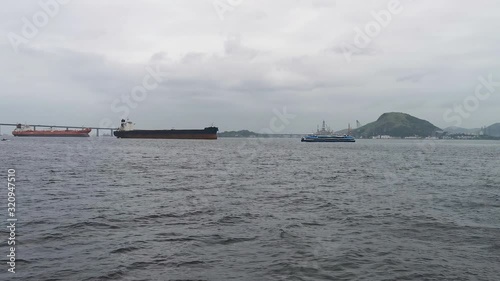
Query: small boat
[[4, 139], [328, 138], [327, 135]]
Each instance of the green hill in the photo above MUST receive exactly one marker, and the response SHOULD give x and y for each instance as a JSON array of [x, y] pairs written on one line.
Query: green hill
[[238, 134], [397, 124], [493, 130]]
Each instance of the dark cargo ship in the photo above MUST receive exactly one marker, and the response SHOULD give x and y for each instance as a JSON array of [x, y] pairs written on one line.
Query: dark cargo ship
[[126, 130]]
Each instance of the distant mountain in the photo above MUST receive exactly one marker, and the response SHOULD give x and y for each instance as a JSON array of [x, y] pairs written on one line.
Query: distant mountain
[[250, 134], [343, 132], [397, 124], [459, 130], [238, 134], [493, 130]]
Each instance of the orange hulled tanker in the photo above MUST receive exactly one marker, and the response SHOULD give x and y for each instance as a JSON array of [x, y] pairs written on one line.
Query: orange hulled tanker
[[28, 131]]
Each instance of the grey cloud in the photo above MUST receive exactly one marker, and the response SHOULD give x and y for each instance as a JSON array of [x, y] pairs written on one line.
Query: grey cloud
[[234, 47], [158, 57], [265, 55], [344, 48], [415, 78]]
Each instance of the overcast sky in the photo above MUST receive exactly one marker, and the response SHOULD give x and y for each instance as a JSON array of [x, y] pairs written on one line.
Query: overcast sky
[[232, 62]]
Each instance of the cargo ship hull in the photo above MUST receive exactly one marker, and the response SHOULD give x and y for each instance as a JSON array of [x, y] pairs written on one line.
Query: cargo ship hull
[[51, 133], [205, 134]]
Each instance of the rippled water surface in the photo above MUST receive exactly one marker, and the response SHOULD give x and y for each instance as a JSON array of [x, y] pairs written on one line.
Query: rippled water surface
[[246, 209]]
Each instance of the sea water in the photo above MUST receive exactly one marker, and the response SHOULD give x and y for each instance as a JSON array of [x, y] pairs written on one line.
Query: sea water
[[252, 209]]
